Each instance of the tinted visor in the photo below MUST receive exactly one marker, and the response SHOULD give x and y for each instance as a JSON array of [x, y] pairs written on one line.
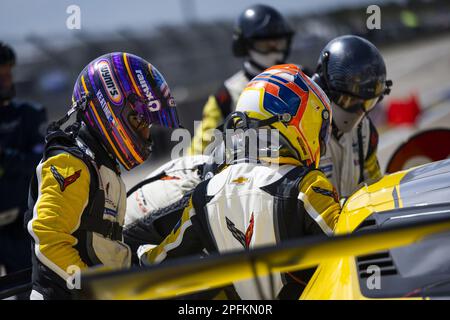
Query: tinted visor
[[155, 112], [354, 104], [270, 45]]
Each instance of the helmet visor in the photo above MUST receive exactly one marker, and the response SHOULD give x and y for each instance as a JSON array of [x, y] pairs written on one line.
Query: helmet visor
[[354, 104], [156, 112], [270, 45], [139, 125]]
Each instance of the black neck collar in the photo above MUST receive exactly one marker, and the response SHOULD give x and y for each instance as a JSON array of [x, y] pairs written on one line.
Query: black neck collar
[[251, 69], [101, 155]]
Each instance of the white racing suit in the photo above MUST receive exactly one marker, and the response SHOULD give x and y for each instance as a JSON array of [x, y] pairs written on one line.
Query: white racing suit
[[151, 209], [248, 205], [351, 158], [178, 177]]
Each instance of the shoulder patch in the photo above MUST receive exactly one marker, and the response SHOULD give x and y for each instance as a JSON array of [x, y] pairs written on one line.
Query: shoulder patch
[[64, 182], [333, 194]]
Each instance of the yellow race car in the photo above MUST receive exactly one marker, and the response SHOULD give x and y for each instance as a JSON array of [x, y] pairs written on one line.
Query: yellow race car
[[392, 241], [421, 269]]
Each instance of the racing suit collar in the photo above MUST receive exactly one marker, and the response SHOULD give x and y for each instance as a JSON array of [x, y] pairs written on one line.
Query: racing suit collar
[[102, 156], [335, 131], [251, 70]]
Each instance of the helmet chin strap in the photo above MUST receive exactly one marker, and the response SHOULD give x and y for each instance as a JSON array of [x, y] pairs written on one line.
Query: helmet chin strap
[[238, 120], [78, 105]]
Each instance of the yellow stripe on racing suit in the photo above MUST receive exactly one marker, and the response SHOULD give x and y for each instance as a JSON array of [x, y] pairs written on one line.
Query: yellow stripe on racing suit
[[372, 170], [321, 200], [159, 253], [57, 212]]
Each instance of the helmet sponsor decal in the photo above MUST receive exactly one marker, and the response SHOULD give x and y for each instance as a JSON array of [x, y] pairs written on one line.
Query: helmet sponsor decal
[[109, 83], [166, 94], [154, 104], [105, 108], [64, 182]]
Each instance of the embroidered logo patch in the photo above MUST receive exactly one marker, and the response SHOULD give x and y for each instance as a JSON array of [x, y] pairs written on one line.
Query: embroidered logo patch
[[244, 239], [64, 182], [333, 194], [240, 180]]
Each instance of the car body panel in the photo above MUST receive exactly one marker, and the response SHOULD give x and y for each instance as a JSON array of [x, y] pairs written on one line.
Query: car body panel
[[419, 187]]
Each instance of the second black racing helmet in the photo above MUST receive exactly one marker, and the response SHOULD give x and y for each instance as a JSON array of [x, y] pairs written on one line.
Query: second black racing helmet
[[352, 73]]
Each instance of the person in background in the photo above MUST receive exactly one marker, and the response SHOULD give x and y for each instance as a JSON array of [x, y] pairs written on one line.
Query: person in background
[[262, 36], [22, 126], [352, 72]]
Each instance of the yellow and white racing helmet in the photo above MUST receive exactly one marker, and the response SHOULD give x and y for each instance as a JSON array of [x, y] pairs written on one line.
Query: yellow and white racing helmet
[[302, 108]]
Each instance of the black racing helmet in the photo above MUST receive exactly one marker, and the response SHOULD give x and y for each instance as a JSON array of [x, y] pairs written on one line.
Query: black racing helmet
[[259, 22], [352, 73]]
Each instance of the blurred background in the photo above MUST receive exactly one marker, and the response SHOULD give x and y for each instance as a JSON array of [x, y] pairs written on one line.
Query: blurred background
[[189, 41]]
